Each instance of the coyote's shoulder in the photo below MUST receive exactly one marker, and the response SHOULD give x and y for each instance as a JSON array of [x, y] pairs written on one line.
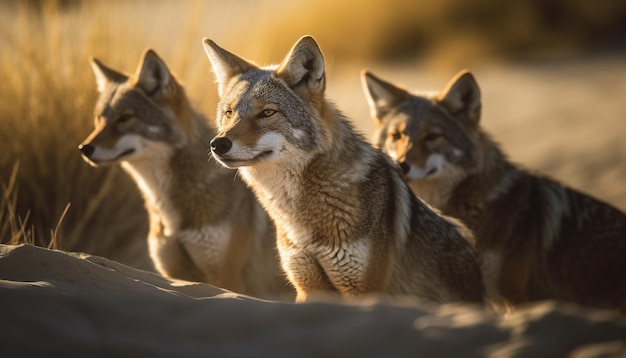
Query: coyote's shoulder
[[346, 221], [539, 239], [145, 122]]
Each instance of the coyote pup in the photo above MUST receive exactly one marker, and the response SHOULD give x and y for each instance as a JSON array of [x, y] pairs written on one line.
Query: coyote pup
[[204, 224], [346, 222], [538, 239]]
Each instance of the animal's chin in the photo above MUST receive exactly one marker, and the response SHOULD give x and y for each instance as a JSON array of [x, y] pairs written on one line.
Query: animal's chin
[[234, 163], [124, 154], [103, 162], [431, 173], [91, 162]]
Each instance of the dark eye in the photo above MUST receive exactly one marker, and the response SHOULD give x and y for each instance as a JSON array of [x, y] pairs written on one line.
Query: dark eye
[[228, 113], [124, 118], [431, 137], [396, 135], [267, 113]]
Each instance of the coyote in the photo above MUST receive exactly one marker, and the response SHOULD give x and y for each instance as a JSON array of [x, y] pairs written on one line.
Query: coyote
[[204, 224], [538, 238], [347, 224]]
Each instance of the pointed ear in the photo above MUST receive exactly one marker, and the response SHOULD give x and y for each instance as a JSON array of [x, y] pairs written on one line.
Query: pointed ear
[[152, 74], [226, 65], [304, 66], [461, 97], [105, 75], [382, 96]]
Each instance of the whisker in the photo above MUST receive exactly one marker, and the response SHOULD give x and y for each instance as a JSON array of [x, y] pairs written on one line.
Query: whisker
[[210, 155]]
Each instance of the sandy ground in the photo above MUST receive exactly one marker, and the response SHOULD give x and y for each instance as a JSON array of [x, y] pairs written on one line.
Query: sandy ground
[[57, 303]]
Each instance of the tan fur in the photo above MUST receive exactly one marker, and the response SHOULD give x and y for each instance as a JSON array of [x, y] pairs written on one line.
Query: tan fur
[[205, 225], [539, 239], [347, 223]]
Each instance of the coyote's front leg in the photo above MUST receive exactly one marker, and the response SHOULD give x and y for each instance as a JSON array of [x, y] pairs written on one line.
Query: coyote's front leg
[[304, 272], [352, 270]]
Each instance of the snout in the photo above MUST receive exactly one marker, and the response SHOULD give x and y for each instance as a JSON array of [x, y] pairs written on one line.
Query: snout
[[221, 145], [405, 167], [86, 149]]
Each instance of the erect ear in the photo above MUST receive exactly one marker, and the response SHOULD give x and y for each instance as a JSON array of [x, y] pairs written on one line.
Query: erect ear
[[226, 65], [304, 66], [105, 75], [152, 74], [382, 96], [461, 97]]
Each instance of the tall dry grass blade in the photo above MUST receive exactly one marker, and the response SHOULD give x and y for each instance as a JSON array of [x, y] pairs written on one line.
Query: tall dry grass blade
[[22, 235], [54, 240], [12, 226], [94, 203]]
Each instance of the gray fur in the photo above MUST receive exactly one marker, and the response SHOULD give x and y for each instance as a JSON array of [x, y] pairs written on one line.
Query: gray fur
[[196, 207], [541, 239], [347, 223]]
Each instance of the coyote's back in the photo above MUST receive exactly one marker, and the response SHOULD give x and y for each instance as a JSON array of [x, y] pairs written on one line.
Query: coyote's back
[[205, 224], [539, 239], [346, 222]]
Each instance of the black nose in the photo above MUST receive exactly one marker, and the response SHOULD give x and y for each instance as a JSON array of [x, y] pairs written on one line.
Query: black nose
[[86, 149], [221, 145], [405, 167]]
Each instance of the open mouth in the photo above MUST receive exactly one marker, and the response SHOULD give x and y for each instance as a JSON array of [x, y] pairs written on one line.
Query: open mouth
[[124, 153], [96, 162], [263, 154], [431, 172]]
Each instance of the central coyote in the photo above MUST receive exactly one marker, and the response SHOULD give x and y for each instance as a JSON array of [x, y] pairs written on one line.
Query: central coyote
[[204, 224], [539, 239], [347, 223]]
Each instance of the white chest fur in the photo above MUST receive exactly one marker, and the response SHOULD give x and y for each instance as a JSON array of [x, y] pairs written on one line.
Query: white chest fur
[[153, 177]]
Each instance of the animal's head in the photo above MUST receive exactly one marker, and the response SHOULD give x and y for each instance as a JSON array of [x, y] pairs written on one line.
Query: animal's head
[[431, 135], [136, 114], [267, 114]]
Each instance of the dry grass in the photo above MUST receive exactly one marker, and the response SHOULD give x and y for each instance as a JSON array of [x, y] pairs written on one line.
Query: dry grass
[[51, 198]]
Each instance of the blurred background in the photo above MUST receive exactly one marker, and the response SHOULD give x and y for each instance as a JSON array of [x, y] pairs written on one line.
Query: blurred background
[[552, 75]]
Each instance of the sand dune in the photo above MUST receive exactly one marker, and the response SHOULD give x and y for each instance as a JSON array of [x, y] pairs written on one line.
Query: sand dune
[[60, 303]]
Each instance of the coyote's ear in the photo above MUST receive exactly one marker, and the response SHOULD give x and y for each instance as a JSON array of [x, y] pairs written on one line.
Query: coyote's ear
[[105, 75], [382, 96], [461, 97], [304, 66], [152, 74], [225, 65]]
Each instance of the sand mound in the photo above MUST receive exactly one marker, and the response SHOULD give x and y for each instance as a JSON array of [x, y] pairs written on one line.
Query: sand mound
[[75, 304]]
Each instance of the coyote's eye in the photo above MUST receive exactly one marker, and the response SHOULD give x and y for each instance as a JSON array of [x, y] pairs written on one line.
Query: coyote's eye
[[396, 135], [431, 137], [124, 118], [267, 113], [228, 113]]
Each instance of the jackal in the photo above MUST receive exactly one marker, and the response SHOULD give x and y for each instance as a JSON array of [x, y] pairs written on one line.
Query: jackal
[[205, 225], [347, 223], [539, 239]]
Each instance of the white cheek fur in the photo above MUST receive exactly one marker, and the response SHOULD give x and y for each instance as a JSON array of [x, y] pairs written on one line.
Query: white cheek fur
[[125, 143], [433, 167]]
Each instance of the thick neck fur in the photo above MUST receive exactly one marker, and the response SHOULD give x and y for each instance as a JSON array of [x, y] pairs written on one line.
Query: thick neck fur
[[485, 182], [280, 186], [164, 175], [437, 192], [493, 175]]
